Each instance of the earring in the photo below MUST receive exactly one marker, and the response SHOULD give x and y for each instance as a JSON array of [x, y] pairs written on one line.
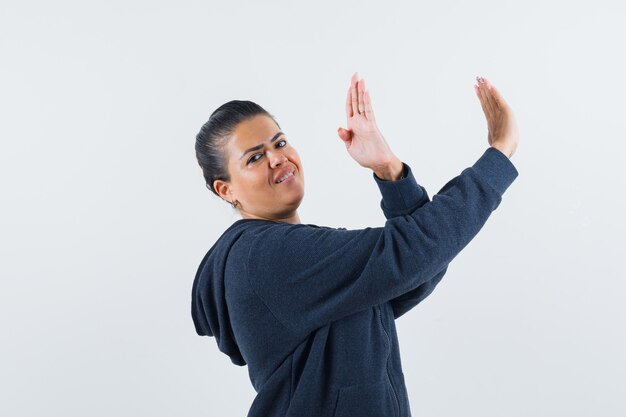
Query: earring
[[234, 205]]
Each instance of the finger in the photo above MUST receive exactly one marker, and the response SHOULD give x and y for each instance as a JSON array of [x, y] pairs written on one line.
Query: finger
[[485, 95], [355, 103], [491, 102], [342, 133], [369, 111], [361, 104], [476, 91], [497, 97], [349, 102], [479, 93], [345, 136], [484, 101], [493, 105]]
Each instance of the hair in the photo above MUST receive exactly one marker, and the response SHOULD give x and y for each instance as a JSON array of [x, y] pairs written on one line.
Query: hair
[[215, 134]]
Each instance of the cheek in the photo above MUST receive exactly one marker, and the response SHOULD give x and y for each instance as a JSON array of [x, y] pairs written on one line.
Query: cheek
[[257, 179], [293, 156], [249, 180]]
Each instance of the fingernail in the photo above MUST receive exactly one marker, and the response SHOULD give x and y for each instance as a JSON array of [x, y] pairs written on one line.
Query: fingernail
[[480, 79]]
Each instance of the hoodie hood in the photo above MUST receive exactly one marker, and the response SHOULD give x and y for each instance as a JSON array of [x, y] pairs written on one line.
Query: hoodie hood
[[208, 301]]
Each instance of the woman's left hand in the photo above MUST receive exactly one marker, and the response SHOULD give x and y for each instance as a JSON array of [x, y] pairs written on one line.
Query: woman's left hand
[[364, 141]]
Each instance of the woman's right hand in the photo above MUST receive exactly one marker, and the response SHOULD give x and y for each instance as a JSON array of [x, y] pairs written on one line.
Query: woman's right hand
[[501, 123], [364, 141]]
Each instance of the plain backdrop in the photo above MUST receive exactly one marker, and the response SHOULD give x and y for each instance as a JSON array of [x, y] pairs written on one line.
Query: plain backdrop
[[105, 215]]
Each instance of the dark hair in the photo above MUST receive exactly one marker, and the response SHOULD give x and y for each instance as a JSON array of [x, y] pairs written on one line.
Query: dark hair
[[215, 134]]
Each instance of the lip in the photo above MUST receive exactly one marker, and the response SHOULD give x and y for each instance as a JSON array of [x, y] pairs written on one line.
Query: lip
[[282, 173], [290, 179]]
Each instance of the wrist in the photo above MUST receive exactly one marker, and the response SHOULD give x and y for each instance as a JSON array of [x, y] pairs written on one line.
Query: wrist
[[504, 149], [392, 171]]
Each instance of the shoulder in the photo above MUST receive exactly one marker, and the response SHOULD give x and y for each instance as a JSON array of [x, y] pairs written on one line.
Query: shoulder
[[253, 228], [269, 242]]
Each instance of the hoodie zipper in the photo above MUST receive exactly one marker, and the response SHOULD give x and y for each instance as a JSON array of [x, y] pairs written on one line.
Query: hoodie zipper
[[388, 353]]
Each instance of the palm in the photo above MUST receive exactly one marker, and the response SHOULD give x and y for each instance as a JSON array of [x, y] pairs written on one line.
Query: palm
[[364, 141], [503, 131]]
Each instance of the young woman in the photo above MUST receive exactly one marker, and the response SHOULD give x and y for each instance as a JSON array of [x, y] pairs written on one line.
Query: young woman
[[310, 309]]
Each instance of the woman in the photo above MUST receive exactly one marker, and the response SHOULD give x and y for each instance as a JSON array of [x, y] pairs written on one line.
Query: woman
[[310, 309]]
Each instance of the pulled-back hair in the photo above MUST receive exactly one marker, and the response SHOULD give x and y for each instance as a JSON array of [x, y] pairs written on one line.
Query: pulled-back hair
[[215, 134]]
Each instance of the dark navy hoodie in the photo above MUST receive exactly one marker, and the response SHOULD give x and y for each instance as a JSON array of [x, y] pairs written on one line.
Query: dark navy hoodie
[[311, 309]]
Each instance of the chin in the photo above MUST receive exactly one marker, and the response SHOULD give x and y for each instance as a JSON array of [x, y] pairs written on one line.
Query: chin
[[296, 200]]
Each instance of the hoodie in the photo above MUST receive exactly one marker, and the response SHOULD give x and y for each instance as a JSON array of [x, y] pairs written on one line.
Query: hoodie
[[311, 309]]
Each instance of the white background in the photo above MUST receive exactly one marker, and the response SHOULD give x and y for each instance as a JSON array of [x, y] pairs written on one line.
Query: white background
[[105, 215]]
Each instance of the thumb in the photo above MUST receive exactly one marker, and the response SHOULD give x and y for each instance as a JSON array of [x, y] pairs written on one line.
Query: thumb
[[345, 135]]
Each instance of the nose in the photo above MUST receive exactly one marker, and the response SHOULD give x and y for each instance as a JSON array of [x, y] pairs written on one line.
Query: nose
[[277, 158]]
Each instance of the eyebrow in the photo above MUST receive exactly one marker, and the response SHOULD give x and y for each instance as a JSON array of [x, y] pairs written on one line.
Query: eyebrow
[[254, 148]]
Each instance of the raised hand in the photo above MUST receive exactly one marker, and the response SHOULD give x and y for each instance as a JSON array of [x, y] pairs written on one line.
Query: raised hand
[[503, 130], [364, 142]]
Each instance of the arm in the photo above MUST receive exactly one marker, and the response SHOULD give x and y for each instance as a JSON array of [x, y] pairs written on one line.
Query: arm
[[308, 277], [410, 299], [503, 136]]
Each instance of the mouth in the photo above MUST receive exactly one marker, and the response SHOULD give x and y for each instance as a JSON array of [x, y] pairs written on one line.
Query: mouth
[[287, 177]]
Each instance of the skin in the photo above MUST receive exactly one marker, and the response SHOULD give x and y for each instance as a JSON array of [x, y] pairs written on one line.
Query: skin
[[252, 176], [364, 141], [501, 122]]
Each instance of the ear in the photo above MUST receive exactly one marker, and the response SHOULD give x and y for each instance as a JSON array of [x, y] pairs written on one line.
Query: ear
[[223, 189]]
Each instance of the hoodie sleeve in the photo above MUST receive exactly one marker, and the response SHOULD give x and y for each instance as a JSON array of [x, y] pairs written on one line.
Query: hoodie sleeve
[[309, 276], [419, 196]]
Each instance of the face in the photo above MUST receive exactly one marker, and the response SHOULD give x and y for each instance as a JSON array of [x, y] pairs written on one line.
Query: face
[[258, 154]]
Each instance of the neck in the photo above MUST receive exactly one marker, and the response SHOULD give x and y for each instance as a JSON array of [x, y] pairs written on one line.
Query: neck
[[292, 218]]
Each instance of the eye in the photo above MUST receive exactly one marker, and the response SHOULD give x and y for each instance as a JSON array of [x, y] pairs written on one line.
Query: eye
[[252, 158]]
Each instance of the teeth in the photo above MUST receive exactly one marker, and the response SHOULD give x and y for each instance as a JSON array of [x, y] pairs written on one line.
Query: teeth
[[285, 177]]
